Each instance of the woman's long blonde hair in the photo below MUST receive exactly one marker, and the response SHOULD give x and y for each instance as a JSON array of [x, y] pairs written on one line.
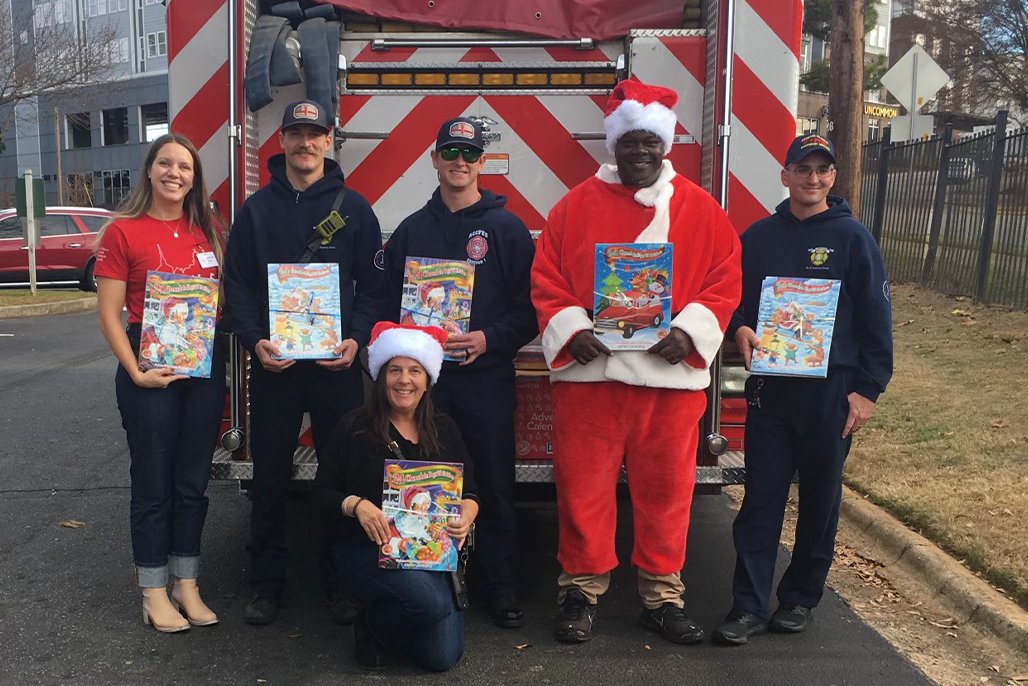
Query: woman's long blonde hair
[[196, 206]]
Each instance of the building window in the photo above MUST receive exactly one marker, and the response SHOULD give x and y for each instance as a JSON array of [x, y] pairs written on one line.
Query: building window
[[153, 2], [115, 126], [156, 44], [111, 186], [873, 130], [79, 134], [80, 191], [805, 125], [154, 120], [116, 6], [97, 8], [119, 50], [50, 13]]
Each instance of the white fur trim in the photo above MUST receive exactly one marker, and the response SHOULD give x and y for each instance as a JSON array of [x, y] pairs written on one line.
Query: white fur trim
[[632, 115], [703, 328], [635, 368], [657, 196], [561, 327], [400, 342]]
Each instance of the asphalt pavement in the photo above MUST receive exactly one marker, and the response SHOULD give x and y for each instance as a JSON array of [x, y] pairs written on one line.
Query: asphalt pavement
[[70, 613]]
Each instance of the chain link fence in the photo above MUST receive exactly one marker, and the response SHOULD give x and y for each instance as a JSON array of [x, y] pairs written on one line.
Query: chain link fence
[[952, 215]]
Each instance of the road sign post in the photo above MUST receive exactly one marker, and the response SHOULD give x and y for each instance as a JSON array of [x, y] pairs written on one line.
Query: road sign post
[[30, 202], [915, 78]]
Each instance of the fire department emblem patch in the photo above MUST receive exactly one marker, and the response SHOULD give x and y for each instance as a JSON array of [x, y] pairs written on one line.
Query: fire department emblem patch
[[462, 129], [305, 110], [478, 246], [819, 256]]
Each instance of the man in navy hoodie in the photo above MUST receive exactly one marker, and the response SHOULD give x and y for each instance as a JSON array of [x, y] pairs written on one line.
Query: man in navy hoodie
[[797, 424], [276, 225], [461, 222]]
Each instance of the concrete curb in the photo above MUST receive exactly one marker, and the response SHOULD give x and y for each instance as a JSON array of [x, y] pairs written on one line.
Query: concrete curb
[[969, 600], [84, 304]]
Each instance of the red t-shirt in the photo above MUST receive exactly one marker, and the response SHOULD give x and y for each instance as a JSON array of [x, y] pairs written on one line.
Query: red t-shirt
[[132, 247]]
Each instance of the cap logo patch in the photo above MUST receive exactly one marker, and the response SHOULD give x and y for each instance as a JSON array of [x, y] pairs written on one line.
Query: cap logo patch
[[306, 111], [816, 141], [462, 129]]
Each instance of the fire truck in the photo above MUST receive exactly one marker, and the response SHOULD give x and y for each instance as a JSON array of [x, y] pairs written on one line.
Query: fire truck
[[536, 74]]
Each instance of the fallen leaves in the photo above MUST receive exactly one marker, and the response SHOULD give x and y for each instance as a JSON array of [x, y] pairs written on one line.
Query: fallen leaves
[[71, 524], [522, 646], [999, 424]]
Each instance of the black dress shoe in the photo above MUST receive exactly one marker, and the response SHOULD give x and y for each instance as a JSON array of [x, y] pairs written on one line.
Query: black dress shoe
[[368, 653], [262, 609], [671, 622], [506, 612], [341, 609], [738, 627], [791, 619]]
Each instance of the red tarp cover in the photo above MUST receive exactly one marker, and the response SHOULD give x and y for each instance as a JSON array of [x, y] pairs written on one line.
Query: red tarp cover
[[597, 19]]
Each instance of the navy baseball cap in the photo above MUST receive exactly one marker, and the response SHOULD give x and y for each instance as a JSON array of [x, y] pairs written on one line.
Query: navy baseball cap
[[305, 112], [804, 145], [460, 131]]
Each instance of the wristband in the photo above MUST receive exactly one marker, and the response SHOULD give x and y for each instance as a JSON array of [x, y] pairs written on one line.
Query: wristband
[[353, 510]]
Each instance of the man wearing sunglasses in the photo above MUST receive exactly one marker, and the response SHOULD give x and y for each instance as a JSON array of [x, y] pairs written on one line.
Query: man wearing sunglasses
[[804, 425], [463, 222]]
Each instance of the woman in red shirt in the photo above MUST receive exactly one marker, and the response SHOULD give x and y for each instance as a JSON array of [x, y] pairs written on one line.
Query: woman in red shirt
[[171, 420]]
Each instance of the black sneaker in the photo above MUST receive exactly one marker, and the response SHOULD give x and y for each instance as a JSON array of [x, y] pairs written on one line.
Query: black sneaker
[[341, 609], [368, 653], [575, 618], [791, 619], [262, 609], [739, 627], [506, 612], [671, 622]]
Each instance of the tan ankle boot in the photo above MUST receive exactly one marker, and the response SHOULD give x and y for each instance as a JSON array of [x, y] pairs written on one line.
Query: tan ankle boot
[[158, 611], [187, 595]]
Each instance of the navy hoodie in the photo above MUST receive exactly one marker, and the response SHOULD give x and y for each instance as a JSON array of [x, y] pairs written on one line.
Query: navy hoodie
[[501, 303], [782, 245], [274, 224]]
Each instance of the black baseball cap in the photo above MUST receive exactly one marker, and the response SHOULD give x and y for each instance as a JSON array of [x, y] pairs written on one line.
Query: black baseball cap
[[305, 112], [804, 145], [460, 131]]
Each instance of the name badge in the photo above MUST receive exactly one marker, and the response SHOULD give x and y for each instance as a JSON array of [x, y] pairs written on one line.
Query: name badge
[[207, 260]]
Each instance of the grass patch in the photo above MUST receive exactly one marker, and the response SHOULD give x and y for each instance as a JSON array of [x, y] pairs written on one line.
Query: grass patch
[[43, 295], [947, 448]]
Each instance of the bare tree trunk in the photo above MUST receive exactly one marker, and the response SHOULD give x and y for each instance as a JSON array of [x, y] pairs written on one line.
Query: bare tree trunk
[[846, 94]]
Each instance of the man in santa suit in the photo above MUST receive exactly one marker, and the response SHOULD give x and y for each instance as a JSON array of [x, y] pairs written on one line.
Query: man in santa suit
[[637, 408]]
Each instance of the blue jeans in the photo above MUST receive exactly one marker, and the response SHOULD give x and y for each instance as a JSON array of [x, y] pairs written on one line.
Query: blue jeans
[[171, 437], [403, 604]]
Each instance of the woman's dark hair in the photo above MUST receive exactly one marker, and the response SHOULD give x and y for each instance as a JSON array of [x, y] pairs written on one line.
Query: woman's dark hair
[[376, 414]]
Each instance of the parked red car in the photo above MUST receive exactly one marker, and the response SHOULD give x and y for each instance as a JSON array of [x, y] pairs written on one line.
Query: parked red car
[[66, 253]]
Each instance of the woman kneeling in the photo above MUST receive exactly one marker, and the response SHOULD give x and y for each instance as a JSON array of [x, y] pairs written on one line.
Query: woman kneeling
[[398, 605]]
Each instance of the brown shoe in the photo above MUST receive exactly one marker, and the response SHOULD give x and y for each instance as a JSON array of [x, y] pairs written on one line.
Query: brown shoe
[[186, 594], [160, 613]]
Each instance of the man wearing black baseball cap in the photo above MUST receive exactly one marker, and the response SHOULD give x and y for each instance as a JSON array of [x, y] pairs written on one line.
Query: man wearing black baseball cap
[[306, 214], [804, 425], [476, 387]]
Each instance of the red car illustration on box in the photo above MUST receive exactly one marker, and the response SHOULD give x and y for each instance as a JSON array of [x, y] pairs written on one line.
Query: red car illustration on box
[[630, 311]]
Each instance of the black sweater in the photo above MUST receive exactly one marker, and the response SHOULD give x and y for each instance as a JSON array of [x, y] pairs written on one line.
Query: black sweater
[[829, 245], [272, 227], [353, 465], [500, 247]]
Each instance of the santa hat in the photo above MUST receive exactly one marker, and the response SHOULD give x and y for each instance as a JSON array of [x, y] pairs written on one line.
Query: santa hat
[[411, 496], [421, 343], [634, 106]]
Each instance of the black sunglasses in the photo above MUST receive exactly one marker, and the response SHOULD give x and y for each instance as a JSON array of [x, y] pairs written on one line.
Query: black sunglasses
[[450, 154]]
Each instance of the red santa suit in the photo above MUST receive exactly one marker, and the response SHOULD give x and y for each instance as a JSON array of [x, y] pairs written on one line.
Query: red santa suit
[[632, 407]]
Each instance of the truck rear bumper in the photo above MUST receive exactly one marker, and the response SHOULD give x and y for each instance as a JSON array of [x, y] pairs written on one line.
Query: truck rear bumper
[[729, 470]]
